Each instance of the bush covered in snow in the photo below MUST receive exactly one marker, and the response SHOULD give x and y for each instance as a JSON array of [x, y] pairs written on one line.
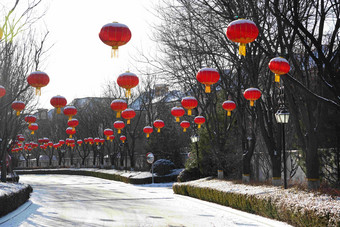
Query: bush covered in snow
[[163, 166], [293, 206], [188, 175]]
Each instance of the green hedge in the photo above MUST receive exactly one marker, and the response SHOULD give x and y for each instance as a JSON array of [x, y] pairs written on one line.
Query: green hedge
[[263, 207], [8, 203], [108, 176]]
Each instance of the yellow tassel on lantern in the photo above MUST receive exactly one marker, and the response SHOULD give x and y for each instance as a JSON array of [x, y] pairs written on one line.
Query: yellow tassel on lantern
[[159, 130], [58, 110], [177, 119], [228, 113], [79, 145], [128, 121], [147, 135], [128, 93], [189, 112], [252, 102], [32, 133], [242, 49], [118, 114], [38, 91], [118, 131], [184, 130], [207, 89], [107, 137], [123, 141], [70, 136], [277, 78], [114, 52], [18, 113], [199, 126], [69, 118]]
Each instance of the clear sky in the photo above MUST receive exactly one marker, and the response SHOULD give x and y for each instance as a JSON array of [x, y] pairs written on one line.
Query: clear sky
[[79, 64]]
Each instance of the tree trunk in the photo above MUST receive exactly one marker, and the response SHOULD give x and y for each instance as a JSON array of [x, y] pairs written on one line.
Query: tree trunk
[[3, 167], [37, 160], [312, 163], [276, 168], [246, 158]]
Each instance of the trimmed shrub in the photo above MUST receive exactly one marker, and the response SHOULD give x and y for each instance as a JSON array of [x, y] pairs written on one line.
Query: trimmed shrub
[[188, 175], [163, 167]]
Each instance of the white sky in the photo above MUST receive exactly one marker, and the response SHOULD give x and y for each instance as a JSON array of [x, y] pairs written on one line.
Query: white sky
[[79, 64]]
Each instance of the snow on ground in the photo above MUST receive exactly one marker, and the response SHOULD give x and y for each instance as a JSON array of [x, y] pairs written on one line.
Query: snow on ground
[[9, 188]]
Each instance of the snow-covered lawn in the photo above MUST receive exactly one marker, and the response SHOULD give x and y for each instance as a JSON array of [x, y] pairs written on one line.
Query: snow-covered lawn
[[10, 188]]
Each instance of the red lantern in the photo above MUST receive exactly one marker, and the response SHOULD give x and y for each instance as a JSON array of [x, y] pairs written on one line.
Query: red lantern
[[30, 119], [79, 142], [199, 120], [70, 111], [73, 123], [61, 142], [58, 102], [279, 66], [158, 124], [185, 125], [122, 138], [40, 140], [38, 80], [90, 139], [45, 140], [208, 77], [119, 125], [252, 94], [127, 80], [21, 138], [112, 137], [177, 112], [148, 130], [242, 31], [2, 91], [189, 103], [128, 114], [118, 105], [108, 132], [86, 140], [115, 35], [34, 145], [18, 106], [96, 140], [33, 127], [229, 106], [50, 144], [70, 131]]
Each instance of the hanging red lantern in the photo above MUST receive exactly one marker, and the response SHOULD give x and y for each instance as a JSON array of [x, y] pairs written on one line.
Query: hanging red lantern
[[147, 130], [111, 138], [128, 114], [177, 112], [90, 139], [279, 66], [61, 142], [2, 91], [70, 111], [102, 140], [252, 94], [30, 119], [208, 77], [40, 140], [45, 140], [118, 105], [158, 124], [70, 131], [38, 80], [33, 127], [242, 31], [122, 138], [18, 106], [34, 145], [115, 34], [96, 140], [21, 138], [185, 125], [119, 125], [108, 132], [79, 142], [50, 144], [189, 103], [199, 120], [56, 145], [58, 102], [73, 123], [229, 106], [127, 80], [86, 140]]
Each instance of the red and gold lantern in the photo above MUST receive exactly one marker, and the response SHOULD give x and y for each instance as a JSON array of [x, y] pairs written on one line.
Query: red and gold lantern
[[229, 106], [252, 94], [108, 132], [18, 106], [38, 80], [79, 142], [70, 111], [102, 140], [128, 114], [208, 77], [2, 91], [279, 66], [158, 124], [177, 112], [185, 125], [118, 105], [61, 142], [30, 119], [242, 31], [115, 34], [90, 139], [70, 131], [58, 102], [147, 130], [50, 144], [73, 123], [122, 138], [199, 120], [111, 138], [189, 103], [33, 127], [119, 125], [127, 80], [97, 140]]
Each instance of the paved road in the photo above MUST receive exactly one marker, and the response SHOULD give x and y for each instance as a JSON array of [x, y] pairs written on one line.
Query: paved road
[[60, 200]]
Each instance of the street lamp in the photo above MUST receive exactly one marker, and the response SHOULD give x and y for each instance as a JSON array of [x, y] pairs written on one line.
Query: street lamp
[[282, 117], [194, 139]]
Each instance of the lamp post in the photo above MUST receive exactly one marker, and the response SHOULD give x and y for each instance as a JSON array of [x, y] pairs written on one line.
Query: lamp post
[[282, 117], [194, 139]]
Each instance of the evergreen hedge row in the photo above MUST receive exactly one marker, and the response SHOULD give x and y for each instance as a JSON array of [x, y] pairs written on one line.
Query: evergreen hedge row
[[10, 202], [264, 207]]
